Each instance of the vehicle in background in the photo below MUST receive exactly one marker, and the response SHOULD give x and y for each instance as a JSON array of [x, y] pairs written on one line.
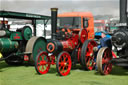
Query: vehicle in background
[[99, 25], [113, 24]]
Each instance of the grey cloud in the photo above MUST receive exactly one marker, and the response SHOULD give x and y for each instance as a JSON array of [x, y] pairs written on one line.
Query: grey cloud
[[97, 7]]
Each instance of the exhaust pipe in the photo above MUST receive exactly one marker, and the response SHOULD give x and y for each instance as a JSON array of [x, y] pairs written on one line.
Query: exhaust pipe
[[54, 22], [123, 12]]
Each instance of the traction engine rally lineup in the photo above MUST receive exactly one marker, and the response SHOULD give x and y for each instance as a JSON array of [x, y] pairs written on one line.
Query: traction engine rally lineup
[[73, 41]]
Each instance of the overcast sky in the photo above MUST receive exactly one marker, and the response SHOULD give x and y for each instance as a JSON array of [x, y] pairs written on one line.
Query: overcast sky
[[97, 7]]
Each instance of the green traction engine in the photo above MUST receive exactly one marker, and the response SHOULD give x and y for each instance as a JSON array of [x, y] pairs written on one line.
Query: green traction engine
[[20, 45], [15, 47]]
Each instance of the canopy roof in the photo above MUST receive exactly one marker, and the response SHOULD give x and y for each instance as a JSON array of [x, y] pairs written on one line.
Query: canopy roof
[[20, 15]]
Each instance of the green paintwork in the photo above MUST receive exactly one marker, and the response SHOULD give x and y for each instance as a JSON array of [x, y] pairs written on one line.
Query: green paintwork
[[40, 45], [19, 15], [113, 28], [8, 33], [6, 45], [16, 36], [27, 33]]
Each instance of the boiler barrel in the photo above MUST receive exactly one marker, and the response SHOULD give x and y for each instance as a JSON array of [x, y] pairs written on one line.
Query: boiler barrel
[[6, 45], [58, 46]]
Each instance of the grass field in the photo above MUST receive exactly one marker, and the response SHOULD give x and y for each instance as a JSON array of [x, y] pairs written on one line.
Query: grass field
[[26, 75]]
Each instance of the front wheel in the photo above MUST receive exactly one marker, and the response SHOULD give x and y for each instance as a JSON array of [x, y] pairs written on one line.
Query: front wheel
[[64, 63], [103, 57], [42, 63]]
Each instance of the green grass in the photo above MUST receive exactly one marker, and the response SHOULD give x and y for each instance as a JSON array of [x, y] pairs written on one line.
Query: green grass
[[26, 75]]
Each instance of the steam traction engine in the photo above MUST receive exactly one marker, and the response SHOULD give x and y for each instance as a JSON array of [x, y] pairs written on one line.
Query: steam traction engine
[[20, 45], [66, 49], [120, 42]]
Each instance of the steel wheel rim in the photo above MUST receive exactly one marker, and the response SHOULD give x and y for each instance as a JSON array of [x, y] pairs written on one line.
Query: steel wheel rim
[[64, 64], [105, 61], [43, 63], [89, 56], [103, 58], [34, 49]]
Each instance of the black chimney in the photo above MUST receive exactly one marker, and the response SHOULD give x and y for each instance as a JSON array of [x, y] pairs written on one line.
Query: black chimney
[[123, 12], [54, 22]]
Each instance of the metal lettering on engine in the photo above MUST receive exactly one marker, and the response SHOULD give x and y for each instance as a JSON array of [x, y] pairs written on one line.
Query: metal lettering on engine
[[121, 24], [30, 15]]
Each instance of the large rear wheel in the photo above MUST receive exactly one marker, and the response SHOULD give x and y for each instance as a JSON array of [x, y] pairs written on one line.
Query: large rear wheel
[[87, 55], [35, 45], [74, 55]]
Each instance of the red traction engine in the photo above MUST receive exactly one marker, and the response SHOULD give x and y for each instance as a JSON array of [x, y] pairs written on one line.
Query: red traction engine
[[66, 49]]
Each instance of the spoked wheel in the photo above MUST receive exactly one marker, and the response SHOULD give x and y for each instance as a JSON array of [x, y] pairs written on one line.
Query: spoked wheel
[[87, 55], [64, 63], [42, 64], [83, 35], [103, 57]]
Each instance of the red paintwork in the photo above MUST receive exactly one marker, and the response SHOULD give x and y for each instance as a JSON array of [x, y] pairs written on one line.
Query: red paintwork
[[26, 58], [83, 36], [41, 63], [50, 50], [16, 37], [107, 66], [5, 22], [90, 56], [101, 28], [52, 60], [70, 44], [114, 55], [65, 64], [74, 41], [39, 50]]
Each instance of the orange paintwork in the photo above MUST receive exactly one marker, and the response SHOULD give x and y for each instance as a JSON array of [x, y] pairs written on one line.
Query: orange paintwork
[[82, 15], [68, 31], [76, 14], [5, 22]]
